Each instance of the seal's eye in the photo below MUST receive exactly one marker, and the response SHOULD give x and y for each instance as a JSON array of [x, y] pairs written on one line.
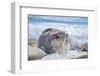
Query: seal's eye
[[55, 36]]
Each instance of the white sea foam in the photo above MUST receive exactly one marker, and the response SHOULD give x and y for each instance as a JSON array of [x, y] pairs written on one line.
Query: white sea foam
[[69, 55]]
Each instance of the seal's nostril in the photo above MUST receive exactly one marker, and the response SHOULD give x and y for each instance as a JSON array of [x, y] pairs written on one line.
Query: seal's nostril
[[55, 36]]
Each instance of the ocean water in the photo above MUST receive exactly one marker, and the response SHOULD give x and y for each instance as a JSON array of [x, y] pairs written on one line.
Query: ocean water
[[78, 33]]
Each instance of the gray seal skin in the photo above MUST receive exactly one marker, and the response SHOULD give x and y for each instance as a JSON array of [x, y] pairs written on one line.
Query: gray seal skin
[[53, 40]]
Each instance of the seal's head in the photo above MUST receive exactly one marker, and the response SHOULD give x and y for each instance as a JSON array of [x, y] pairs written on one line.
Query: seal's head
[[53, 40]]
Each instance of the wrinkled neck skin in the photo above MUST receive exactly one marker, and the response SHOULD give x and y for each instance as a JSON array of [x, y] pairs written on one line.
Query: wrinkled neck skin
[[61, 45]]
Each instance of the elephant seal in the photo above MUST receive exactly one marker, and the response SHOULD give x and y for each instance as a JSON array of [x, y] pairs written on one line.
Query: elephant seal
[[85, 47], [35, 53], [53, 40]]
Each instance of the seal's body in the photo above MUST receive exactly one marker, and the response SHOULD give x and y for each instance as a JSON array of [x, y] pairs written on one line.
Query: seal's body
[[53, 40]]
